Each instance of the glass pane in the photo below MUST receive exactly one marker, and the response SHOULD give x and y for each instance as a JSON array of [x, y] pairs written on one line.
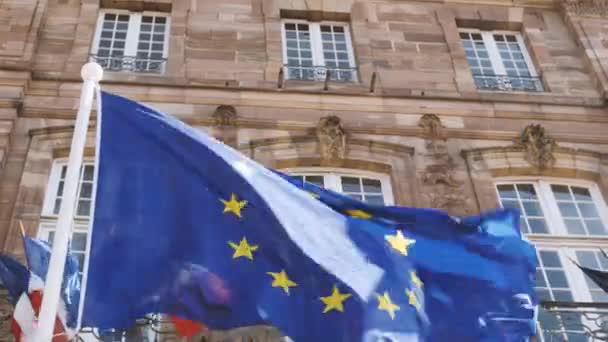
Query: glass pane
[[84, 208], [537, 226], [581, 194], [57, 206], [587, 209], [561, 192], [511, 204], [595, 227], [526, 191], [532, 209], [540, 279], [550, 259], [562, 295], [587, 259], [350, 184], [80, 258], [568, 209], [64, 169], [543, 294], [557, 279], [86, 190], [316, 180], [599, 296], [371, 185], [506, 191], [575, 226], [79, 241], [60, 189], [357, 197], [376, 200]]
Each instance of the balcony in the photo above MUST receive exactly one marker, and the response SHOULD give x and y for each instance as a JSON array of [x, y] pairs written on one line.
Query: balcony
[[319, 73], [572, 322], [508, 83], [130, 63]]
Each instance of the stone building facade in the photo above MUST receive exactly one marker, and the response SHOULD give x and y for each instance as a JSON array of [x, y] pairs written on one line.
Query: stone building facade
[[463, 105]]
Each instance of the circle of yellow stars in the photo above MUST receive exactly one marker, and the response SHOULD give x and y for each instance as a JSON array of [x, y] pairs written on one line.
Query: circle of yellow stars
[[335, 300]]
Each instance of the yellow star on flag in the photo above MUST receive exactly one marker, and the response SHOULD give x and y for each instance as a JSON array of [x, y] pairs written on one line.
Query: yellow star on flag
[[234, 205], [281, 280], [359, 214], [243, 249], [385, 303], [413, 300], [415, 280], [399, 242], [335, 300]]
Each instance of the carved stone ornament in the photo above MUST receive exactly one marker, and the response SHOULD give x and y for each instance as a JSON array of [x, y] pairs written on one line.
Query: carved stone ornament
[[431, 124], [332, 138], [586, 7], [224, 115], [538, 146]]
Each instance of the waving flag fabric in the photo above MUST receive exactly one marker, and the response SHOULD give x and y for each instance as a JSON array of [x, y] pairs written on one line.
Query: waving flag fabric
[[186, 226], [26, 290], [478, 272]]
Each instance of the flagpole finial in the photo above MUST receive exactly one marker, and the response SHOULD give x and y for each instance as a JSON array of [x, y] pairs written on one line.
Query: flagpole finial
[[91, 72]]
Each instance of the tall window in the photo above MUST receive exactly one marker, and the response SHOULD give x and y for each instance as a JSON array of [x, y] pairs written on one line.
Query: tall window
[[555, 207], [551, 281], [129, 41], [499, 60], [366, 187], [54, 197], [596, 260], [311, 50], [559, 217], [552, 285]]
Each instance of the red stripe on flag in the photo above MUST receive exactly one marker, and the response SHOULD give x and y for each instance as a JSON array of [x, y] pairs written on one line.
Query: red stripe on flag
[[187, 328]]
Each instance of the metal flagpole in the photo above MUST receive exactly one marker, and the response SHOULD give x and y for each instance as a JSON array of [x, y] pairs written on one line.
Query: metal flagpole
[[91, 74]]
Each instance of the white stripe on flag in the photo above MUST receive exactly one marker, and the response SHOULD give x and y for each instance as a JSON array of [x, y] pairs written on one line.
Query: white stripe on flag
[[25, 316], [320, 232]]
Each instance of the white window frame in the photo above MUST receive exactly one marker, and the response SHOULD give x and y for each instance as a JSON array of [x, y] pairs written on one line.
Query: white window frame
[[331, 179], [318, 60], [553, 216], [495, 59], [132, 39]]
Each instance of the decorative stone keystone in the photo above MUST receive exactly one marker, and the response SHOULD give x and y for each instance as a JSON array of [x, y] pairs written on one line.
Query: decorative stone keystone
[[537, 146], [332, 138]]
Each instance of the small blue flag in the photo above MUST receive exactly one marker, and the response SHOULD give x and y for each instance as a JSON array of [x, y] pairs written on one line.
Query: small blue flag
[[186, 226], [15, 277], [478, 273]]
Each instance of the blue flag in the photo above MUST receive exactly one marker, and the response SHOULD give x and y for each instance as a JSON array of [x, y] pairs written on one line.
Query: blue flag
[[478, 272], [38, 255], [15, 277], [186, 226]]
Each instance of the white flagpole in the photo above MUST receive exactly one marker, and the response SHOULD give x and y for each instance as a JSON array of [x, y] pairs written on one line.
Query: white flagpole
[[91, 74]]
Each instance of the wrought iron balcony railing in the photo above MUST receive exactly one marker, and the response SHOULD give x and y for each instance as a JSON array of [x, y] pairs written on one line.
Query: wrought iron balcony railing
[[130, 63], [572, 322], [319, 73], [508, 83]]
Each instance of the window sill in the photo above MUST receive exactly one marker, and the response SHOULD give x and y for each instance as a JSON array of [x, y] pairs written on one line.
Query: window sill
[[572, 240], [543, 97]]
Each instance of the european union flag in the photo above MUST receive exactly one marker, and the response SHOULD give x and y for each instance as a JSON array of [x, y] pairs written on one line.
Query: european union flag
[[478, 273], [184, 225]]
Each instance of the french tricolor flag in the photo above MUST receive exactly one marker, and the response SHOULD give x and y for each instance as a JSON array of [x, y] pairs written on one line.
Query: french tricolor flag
[[25, 287]]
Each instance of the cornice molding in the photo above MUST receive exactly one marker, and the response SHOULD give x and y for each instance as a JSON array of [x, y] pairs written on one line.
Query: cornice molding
[[586, 8]]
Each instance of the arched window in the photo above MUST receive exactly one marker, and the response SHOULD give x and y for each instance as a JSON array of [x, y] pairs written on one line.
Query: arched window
[[567, 220], [52, 202], [369, 187]]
